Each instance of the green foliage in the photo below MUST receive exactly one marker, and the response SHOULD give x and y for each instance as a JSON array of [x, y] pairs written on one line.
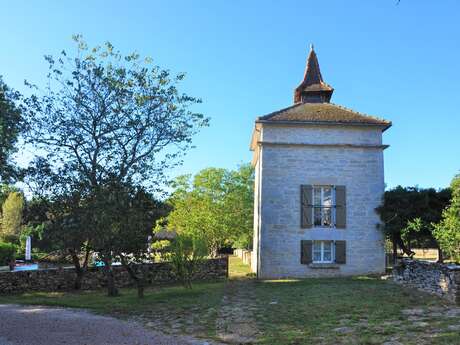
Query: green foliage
[[186, 253], [125, 216], [447, 231], [239, 206], [216, 206], [7, 253], [408, 213], [107, 116], [10, 127], [12, 210], [5, 190]]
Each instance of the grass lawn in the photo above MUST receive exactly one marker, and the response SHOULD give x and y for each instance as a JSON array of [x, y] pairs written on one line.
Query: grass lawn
[[360, 310]]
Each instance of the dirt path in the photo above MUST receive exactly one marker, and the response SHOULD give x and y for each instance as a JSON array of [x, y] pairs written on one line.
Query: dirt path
[[236, 320], [31, 325]]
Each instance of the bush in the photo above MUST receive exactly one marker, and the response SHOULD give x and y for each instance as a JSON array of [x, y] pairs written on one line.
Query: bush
[[7, 253], [447, 232], [186, 254]]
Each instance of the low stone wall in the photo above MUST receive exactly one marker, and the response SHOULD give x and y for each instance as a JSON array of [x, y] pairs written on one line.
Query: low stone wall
[[244, 254], [62, 279], [439, 279]]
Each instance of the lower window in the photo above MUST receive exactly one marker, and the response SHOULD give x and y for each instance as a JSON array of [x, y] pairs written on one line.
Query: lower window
[[323, 252]]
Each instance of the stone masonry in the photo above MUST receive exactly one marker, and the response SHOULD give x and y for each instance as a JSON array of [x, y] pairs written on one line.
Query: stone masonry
[[288, 159], [439, 279], [63, 279]]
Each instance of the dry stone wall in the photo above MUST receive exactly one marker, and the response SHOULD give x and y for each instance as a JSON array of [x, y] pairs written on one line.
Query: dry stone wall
[[62, 279], [439, 279]]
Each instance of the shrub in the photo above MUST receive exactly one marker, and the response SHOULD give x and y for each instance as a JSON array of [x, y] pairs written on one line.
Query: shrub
[[7, 253], [187, 252], [447, 232]]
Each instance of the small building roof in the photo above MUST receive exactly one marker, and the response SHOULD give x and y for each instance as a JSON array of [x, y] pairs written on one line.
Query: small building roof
[[322, 113]]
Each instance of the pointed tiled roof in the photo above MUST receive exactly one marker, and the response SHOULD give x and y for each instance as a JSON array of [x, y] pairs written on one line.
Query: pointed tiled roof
[[312, 86], [322, 113], [312, 105]]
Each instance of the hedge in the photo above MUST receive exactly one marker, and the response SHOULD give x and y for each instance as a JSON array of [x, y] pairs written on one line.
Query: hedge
[[7, 253]]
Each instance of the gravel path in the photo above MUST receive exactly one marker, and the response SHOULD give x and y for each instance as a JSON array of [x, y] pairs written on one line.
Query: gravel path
[[32, 325]]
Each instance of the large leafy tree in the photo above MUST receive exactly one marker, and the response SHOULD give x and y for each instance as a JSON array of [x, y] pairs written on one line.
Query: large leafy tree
[[10, 127], [447, 232], [408, 214], [106, 118], [216, 206]]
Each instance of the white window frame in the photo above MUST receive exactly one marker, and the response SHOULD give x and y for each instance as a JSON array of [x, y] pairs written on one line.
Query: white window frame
[[322, 261], [321, 206]]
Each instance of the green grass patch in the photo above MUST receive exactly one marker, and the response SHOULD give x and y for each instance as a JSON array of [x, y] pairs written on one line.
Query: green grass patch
[[202, 294], [237, 269], [294, 311]]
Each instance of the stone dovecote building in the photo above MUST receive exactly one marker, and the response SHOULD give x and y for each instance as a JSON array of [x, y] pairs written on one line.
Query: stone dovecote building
[[319, 178]]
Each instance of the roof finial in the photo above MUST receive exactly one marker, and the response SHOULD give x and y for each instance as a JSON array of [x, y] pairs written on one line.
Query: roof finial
[[313, 88]]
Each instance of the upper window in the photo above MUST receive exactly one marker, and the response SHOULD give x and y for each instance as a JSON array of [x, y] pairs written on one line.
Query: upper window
[[324, 206]]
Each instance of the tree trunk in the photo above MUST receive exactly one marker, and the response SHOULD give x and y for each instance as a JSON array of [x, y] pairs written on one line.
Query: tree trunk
[[395, 251], [78, 269], [112, 290], [140, 289], [78, 280], [403, 247], [440, 256], [138, 280]]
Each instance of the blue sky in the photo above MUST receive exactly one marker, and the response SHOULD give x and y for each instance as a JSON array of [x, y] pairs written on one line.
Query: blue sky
[[244, 58]]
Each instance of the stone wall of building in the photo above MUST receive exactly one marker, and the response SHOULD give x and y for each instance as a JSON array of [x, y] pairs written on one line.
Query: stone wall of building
[[63, 279], [439, 279], [322, 135], [286, 167]]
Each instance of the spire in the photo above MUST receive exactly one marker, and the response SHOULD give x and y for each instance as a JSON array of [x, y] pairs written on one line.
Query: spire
[[313, 89]]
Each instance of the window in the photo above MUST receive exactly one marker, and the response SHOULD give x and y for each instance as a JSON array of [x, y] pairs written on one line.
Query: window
[[323, 252], [324, 206]]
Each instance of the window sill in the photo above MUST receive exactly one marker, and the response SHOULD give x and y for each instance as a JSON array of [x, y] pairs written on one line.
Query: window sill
[[324, 266]]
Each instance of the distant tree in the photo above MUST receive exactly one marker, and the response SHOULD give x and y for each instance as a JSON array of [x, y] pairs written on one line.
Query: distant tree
[[12, 217], [408, 213], [447, 231], [107, 118], [198, 207], [216, 206], [239, 206], [10, 128]]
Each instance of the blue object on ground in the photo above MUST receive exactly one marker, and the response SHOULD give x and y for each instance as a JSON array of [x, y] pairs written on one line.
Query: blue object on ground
[[31, 267]]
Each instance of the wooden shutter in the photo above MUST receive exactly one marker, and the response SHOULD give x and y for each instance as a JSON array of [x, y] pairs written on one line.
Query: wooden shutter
[[306, 252], [340, 252], [306, 206], [341, 207]]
